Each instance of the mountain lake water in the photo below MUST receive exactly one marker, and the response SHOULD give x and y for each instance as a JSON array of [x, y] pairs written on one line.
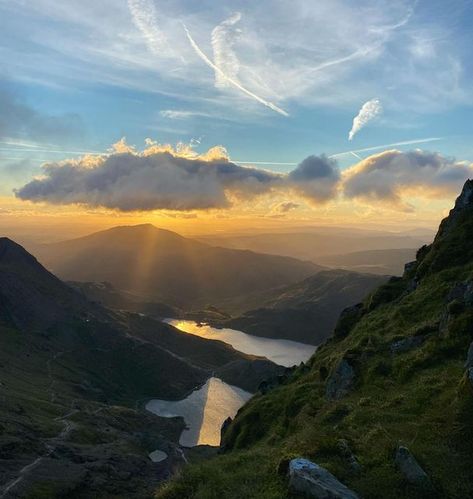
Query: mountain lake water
[[207, 407]]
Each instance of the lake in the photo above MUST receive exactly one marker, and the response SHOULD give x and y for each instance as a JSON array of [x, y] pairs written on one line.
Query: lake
[[204, 411], [283, 352], [207, 407]]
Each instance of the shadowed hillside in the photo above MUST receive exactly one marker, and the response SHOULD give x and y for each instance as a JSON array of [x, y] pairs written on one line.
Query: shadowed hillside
[[71, 377], [306, 311], [162, 266]]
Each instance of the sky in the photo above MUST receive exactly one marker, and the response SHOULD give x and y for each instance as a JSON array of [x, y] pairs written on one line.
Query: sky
[[207, 115]]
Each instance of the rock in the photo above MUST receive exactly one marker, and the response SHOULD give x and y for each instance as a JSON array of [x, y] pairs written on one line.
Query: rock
[[311, 480], [348, 455], [406, 344], [469, 357], [411, 469], [224, 427], [457, 292], [469, 373], [348, 319], [409, 266], [340, 381]]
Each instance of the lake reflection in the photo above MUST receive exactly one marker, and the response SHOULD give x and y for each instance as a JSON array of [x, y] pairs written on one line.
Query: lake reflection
[[283, 352], [204, 411]]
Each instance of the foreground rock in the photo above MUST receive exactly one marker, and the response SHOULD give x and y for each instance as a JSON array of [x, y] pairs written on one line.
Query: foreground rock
[[411, 469], [311, 480], [341, 381]]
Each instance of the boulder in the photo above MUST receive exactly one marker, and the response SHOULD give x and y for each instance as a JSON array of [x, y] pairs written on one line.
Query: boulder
[[348, 455], [341, 381], [406, 344], [469, 374], [411, 469], [469, 357], [311, 480]]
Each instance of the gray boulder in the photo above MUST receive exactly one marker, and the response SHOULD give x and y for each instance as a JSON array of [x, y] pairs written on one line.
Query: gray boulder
[[411, 469], [406, 344], [469, 357], [470, 374], [341, 381], [348, 455], [311, 480]]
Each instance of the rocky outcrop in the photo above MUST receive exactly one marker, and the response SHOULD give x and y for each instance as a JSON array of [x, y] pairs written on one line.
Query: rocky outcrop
[[348, 456], [411, 469], [341, 381], [406, 344], [311, 480], [348, 319], [469, 357]]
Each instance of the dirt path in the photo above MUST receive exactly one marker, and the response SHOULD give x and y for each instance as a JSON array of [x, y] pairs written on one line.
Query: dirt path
[[51, 443]]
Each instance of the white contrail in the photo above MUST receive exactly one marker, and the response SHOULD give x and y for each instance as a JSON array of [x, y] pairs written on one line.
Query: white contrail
[[145, 19], [394, 144], [223, 39], [369, 110], [236, 84], [346, 153]]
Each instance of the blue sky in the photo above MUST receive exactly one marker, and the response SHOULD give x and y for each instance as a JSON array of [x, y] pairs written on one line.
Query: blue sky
[[290, 78]]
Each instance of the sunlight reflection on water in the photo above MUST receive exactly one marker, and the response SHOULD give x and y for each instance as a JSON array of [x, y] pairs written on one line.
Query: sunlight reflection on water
[[283, 352], [204, 411]]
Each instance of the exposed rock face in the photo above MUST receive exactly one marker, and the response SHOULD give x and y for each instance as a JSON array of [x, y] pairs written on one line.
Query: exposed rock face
[[348, 319], [469, 357], [411, 469], [470, 375], [406, 344], [223, 429], [348, 455], [311, 480], [341, 381]]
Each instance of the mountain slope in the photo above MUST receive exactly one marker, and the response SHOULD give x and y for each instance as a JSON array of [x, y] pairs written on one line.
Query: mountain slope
[[384, 262], [162, 266], [312, 244], [71, 376], [398, 373], [307, 311]]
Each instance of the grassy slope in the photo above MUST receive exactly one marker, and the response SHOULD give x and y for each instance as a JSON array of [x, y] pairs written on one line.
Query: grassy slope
[[419, 398]]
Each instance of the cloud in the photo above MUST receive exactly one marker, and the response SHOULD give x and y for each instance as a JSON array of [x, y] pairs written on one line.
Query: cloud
[[18, 120], [287, 206], [145, 18], [369, 110], [162, 177], [316, 178], [393, 175], [224, 37], [229, 79]]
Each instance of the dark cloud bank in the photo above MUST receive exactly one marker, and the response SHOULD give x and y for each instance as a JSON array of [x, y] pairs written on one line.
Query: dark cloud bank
[[132, 181]]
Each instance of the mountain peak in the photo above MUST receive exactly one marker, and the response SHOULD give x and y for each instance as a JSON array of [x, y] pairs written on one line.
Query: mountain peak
[[12, 252], [465, 199]]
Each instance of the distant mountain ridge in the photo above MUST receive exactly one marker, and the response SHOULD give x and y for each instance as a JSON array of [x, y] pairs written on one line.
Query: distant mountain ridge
[[308, 310], [162, 266]]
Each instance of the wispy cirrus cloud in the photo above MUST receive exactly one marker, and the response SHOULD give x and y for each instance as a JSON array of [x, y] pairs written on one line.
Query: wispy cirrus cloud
[[229, 79], [368, 112], [223, 40], [145, 18]]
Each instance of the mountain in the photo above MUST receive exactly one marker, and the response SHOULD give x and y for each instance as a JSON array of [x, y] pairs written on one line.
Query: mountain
[[308, 310], [385, 406], [383, 262], [73, 380], [315, 244], [162, 266]]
